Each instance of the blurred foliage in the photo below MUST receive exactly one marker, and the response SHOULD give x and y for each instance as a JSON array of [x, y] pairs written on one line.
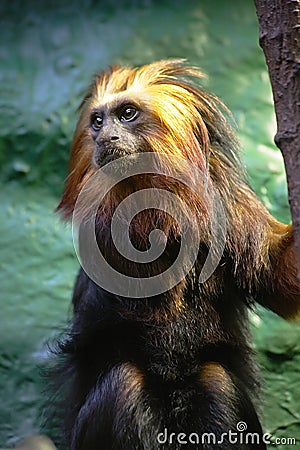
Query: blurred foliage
[[48, 53]]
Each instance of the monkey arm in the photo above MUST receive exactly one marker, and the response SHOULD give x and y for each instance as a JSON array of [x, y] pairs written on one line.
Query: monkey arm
[[281, 291]]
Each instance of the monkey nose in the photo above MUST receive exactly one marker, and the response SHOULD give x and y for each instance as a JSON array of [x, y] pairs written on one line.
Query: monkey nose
[[106, 138]]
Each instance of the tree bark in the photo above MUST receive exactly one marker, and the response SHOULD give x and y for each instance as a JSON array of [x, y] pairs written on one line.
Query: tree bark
[[279, 25]]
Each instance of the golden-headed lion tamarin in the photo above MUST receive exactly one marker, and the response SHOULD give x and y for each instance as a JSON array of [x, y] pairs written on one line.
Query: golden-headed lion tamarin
[[174, 368]]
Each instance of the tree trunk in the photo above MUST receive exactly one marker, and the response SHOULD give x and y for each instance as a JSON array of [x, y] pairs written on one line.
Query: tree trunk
[[279, 24]]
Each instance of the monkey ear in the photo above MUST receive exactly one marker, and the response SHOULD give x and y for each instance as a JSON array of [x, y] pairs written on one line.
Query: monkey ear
[[281, 293]]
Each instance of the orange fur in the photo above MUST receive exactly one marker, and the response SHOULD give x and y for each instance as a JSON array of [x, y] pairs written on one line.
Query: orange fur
[[185, 121], [181, 359]]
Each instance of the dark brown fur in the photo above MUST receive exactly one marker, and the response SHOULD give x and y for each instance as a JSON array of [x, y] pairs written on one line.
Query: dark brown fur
[[181, 360]]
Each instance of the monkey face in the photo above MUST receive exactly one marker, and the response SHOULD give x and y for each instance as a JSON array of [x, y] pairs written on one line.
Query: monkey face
[[115, 130], [154, 108]]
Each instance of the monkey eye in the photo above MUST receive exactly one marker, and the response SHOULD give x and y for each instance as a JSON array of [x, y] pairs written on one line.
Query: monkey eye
[[97, 122], [128, 114]]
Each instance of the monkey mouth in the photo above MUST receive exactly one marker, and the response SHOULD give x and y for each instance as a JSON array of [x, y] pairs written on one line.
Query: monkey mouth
[[106, 153], [102, 157]]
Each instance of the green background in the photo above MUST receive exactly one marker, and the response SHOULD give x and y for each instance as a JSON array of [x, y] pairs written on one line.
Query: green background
[[48, 54]]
